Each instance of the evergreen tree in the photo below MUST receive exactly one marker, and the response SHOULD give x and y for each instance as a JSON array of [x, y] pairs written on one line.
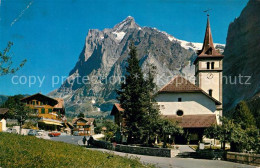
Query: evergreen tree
[[131, 97], [244, 116], [152, 112]]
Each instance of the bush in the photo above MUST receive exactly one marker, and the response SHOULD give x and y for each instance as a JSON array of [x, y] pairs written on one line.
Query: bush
[[26, 151]]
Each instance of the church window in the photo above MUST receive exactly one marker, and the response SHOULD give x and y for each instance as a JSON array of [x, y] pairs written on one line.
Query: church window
[[212, 65], [210, 92], [179, 99], [179, 113], [208, 63]]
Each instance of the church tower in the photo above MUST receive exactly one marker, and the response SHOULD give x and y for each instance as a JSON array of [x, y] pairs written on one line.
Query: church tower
[[209, 67]]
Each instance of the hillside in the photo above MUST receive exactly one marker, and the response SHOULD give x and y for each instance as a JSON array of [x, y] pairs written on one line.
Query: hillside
[[102, 63], [27, 151]]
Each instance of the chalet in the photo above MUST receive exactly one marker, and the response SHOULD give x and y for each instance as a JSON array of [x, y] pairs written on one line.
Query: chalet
[[50, 111], [117, 111], [84, 126], [3, 113], [194, 106]]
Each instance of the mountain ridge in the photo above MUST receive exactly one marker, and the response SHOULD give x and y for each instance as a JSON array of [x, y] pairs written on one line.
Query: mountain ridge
[[104, 55]]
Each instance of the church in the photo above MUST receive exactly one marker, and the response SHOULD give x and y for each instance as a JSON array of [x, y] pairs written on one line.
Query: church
[[194, 106]]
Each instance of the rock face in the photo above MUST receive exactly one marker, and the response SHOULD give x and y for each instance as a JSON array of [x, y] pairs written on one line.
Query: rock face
[[90, 87], [242, 55]]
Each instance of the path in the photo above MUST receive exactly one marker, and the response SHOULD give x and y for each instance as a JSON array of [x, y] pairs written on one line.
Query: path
[[164, 162]]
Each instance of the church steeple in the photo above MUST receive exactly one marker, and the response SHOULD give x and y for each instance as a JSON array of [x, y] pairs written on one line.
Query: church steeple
[[208, 69], [208, 48]]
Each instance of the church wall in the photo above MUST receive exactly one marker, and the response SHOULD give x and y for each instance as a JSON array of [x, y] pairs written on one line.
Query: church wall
[[191, 104], [213, 83]]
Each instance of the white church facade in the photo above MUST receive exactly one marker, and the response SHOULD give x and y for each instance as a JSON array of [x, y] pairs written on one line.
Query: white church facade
[[194, 106]]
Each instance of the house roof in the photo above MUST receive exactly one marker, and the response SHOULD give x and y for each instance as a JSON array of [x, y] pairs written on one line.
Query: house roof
[[40, 97], [194, 121], [208, 50], [3, 111], [116, 107], [60, 103], [89, 121], [181, 85]]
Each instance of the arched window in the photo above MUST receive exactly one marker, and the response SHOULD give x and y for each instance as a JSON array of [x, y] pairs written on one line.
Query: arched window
[[208, 64], [212, 65], [179, 113], [210, 92]]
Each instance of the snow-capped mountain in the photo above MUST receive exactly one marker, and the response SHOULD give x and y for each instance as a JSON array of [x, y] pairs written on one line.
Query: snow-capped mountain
[[103, 61]]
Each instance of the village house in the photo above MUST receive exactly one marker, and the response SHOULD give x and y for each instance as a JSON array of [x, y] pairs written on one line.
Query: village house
[[3, 113], [83, 126], [51, 112], [194, 106]]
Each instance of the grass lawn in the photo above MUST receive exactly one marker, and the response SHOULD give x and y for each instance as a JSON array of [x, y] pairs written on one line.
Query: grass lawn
[[26, 151]]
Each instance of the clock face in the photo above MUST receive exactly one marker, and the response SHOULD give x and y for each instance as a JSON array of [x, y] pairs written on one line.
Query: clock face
[[209, 75]]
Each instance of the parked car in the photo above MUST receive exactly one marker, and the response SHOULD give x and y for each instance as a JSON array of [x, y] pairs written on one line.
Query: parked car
[[11, 130], [33, 133], [43, 135], [76, 133], [54, 134]]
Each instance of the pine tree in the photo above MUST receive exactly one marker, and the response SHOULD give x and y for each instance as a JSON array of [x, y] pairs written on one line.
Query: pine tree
[[244, 116], [131, 97], [152, 111]]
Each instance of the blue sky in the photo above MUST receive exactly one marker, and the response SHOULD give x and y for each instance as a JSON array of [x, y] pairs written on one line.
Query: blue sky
[[50, 34]]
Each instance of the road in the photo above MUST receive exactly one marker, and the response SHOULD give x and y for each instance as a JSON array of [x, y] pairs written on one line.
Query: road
[[164, 162]]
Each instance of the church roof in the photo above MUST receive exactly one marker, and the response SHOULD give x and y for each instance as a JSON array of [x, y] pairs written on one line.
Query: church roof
[[182, 85], [208, 50], [194, 121]]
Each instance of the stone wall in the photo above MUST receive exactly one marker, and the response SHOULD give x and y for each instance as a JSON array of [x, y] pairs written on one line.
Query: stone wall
[[243, 158], [136, 149], [210, 154]]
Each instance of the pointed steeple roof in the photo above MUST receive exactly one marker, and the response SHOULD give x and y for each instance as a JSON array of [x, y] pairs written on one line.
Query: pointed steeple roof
[[208, 48]]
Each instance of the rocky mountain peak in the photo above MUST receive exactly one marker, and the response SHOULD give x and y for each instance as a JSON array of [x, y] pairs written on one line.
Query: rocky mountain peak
[[127, 23], [103, 62]]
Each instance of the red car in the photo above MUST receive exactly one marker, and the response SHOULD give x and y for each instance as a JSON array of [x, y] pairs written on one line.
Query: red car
[[54, 134]]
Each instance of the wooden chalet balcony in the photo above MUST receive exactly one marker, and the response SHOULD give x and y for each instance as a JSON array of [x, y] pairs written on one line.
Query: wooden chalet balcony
[[51, 121], [81, 129], [52, 115]]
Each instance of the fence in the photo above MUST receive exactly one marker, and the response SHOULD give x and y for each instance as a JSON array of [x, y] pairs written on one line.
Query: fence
[[253, 159]]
